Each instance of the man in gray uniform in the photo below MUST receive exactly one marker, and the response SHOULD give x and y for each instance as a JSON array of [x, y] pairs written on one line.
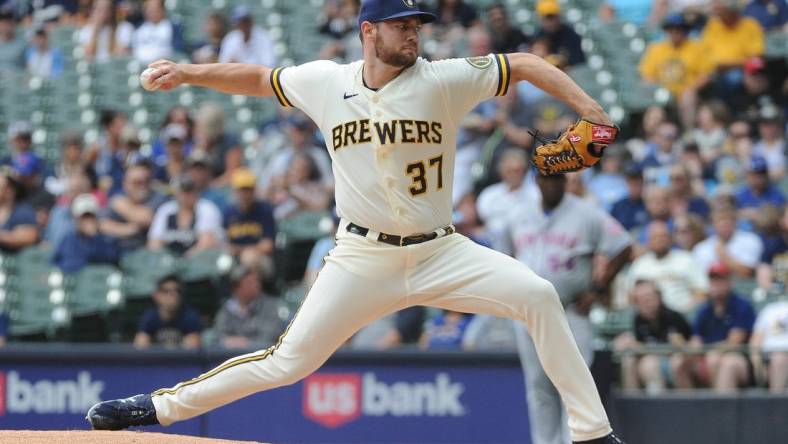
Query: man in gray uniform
[[563, 239]]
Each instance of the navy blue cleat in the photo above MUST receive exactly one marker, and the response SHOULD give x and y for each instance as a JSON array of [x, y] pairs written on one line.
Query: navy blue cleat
[[609, 439], [119, 414]]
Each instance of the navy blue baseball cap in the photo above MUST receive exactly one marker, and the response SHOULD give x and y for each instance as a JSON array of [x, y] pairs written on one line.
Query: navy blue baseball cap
[[380, 10]]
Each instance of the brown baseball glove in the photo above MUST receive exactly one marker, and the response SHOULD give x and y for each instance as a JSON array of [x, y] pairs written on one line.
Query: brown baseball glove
[[579, 147]]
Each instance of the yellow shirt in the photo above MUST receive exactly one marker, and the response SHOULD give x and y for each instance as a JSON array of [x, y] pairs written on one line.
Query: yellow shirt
[[675, 68], [732, 46]]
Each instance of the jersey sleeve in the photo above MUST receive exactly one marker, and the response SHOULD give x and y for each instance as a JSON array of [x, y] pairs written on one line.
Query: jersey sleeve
[[466, 82], [611, 237], [303, 86]]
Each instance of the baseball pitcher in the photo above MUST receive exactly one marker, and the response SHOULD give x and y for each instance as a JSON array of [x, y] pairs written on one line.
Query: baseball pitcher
[[390, 123]]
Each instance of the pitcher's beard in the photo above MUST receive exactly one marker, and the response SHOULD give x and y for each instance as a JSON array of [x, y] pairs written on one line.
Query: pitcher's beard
[[393, 58]]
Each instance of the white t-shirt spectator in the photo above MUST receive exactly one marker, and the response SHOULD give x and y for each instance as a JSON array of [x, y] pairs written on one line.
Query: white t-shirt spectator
[[772, 323], [677, 275], [153, 41], [207, 219], [496, 202], [744, 247], [123, 34], [773, 153], [259, 50]]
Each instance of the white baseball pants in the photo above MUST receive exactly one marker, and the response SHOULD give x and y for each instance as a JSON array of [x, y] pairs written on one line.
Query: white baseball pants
[[364, 280]]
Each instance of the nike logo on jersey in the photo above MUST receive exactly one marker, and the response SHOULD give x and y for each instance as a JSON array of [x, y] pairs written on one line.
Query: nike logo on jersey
[[386, 133], [347, 96]]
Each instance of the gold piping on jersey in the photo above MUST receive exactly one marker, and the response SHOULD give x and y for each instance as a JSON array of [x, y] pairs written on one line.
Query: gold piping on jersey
[[276, 85], [228, 365], [504, 74]]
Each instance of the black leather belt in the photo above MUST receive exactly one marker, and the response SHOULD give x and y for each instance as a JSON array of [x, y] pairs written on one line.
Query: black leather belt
[[399, 241]]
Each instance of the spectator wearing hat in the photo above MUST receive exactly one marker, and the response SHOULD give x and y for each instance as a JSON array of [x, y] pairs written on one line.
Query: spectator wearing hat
[[198, 168], [109, 153], [729, 38], [214, 29], [740, 251], [505, 37], [724, 322], [756, 90], [677, 64], [654, 324], [771, 14], [103, 36], [248, 318], [758, 191], [682, 284], [178, 115], [186, 224], [769, 346], [171, 323], [299, 131], [771, 142], [661, 153], [41, 59], [774, 260], [249, 224], [20, 138], [85, 245], [630, 211], [129, 214], [247, 43], [61, 219], [12, 47], [18, 227], [157, 37], [562, 41], [71, 146], [172, 162]]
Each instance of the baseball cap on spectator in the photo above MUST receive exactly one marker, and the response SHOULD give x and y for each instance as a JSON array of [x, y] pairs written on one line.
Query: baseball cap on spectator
[[26, 164], [71, 137], [675, 21], [754, 65], [719, 270], [547, 7], [243, 178], [20, 128], [769, 113], [84, 204], [241, 12], [758, 165], [633, 171], [239, 272], [184, 183], [174, 131], [379, 10], [7, 14], [198, 158]]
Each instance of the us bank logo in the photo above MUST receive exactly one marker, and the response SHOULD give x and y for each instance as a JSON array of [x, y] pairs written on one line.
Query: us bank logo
[[335, 399], [19, 395]]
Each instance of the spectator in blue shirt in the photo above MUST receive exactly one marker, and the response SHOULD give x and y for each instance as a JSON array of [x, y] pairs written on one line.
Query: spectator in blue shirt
[[84, 245], [771, 14], [631, 210], [170, 323], [249, 224], [563, 42], [445, 331], [18, 228], [110, 154], [758, 192], [725, 321], [41, 59]]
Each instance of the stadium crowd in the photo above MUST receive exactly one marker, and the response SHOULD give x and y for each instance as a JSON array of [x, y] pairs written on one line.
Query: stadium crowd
[[697, 181]]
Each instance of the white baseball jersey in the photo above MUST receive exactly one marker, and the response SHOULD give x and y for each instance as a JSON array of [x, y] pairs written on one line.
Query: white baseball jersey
[[560, 245], [393, 149]]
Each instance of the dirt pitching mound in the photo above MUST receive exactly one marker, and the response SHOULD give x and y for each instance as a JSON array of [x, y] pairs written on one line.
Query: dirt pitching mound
[[100, 437]]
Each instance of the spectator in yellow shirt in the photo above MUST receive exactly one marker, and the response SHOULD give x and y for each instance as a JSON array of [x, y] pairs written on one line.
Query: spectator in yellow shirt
[[730, 38], [678, 64]]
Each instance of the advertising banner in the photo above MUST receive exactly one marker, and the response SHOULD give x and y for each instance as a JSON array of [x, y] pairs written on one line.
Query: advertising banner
[[338, 404]]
